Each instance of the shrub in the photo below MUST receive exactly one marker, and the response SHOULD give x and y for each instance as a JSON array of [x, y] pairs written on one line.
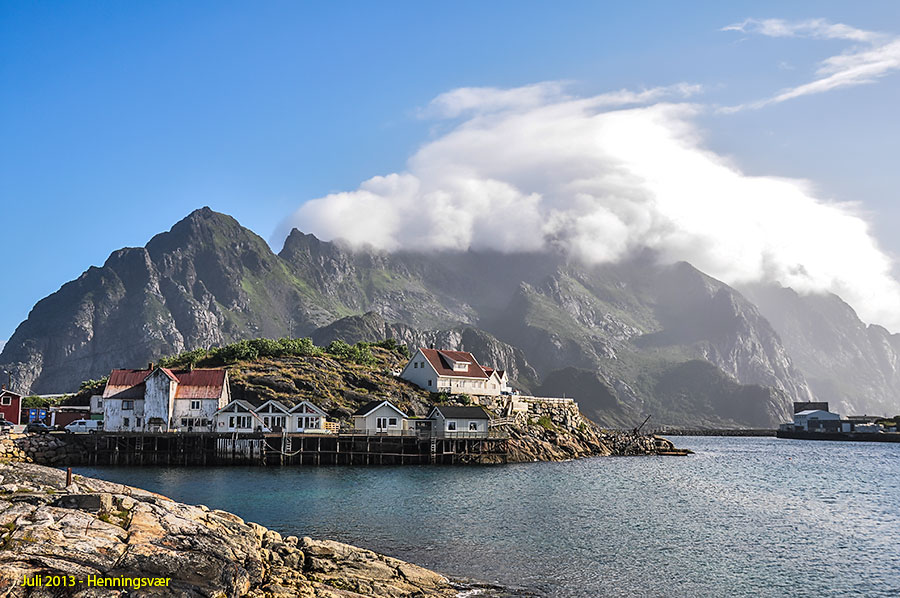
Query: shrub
[[299, 347], [546, 423]]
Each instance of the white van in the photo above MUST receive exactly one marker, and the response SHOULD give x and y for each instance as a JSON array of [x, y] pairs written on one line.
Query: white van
[[85, 426]]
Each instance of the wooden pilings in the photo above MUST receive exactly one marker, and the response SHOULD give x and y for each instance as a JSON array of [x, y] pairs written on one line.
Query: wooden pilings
[[191, 449]]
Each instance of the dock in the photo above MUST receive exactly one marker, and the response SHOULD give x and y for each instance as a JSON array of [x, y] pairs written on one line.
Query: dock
[[272, 449]]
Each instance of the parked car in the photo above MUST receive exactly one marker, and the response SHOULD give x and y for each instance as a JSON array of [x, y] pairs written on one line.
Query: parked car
[[37, 428], [6, 426], [85, 426]]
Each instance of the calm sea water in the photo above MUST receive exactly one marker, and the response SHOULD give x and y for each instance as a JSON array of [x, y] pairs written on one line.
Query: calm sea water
[[742, 517]]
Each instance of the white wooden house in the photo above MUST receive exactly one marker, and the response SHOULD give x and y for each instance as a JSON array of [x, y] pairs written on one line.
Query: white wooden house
[[306, 417], [380, 417], [274, 415], [161, 400], [239, 416], [454, 372], [460, 421]]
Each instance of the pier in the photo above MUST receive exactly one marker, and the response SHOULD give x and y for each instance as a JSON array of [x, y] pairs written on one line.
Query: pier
[[204, 448]]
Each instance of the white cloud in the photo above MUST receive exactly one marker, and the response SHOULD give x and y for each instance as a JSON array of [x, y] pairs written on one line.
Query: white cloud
[[875, 56], [520, 174]]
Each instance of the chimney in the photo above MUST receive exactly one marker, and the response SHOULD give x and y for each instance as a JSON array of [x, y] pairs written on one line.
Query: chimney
[[150, 366]]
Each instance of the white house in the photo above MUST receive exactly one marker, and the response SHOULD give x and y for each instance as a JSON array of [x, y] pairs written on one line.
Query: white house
[[306, 417], [239, 416], [380, 417], [500, 377], [453, 372], [817, 419], [460, 421], [161, 400], [274, 415]]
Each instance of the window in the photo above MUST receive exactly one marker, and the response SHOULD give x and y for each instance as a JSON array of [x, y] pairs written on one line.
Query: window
[[266, 421], [127, 405], [392, 422], [195, 405], [126, 422], [415, 365], [99, 403], [137, 422], [429, 383], [231, 422], [473, 426], [6, 400], [451, 426]]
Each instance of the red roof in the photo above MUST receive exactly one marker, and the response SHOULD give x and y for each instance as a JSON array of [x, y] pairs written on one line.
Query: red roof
[[192, 384], [442, 362]]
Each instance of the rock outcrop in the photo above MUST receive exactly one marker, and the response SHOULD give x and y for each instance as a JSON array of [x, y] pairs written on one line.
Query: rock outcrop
[[97, 528]]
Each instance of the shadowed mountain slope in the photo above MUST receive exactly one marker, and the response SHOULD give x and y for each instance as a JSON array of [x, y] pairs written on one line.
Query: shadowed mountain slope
[[209, 281]]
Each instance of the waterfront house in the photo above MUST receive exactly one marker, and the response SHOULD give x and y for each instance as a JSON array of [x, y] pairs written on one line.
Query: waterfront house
[[454, 372], [460, 421], [812, 420], [380, 417], [306, 417], [274, 415], [239, 416], [158, 399], [10, 406]]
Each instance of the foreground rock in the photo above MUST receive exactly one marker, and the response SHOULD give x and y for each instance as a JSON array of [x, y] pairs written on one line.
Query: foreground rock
[[99, 528]]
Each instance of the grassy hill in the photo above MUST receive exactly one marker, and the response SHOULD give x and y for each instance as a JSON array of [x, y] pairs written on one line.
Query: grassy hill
[[339, 377]]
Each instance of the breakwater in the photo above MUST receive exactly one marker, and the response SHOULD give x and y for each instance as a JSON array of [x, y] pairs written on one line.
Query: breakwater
[[841, 436], [759, 432]]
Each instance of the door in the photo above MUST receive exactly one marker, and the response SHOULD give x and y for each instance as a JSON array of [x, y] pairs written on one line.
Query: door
[[381, 424]]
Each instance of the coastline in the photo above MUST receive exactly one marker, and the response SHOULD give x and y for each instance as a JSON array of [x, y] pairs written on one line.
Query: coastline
[[113, 531]]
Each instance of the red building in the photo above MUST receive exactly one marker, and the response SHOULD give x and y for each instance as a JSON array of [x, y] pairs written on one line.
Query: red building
[[10, 405]]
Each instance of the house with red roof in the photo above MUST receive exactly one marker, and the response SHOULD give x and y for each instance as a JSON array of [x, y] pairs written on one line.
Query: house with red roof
[[454, 372], [158, 399]]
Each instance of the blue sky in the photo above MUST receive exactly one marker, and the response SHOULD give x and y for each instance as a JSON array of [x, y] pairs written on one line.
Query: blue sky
[[117, 119]]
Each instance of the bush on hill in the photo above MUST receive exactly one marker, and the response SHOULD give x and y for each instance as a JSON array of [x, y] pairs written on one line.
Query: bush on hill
[[249, 350]]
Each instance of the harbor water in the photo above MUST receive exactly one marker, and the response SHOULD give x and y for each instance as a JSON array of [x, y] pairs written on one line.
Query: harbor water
[[741, 517]]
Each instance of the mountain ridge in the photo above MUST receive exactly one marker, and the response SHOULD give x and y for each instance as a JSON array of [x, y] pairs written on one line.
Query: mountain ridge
[[208, 281]]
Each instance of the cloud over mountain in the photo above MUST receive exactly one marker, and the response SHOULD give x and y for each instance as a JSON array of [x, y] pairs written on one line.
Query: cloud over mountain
[[601, 177]]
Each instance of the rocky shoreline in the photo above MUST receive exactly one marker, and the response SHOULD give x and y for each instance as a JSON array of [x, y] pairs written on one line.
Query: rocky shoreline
[[98, 528]]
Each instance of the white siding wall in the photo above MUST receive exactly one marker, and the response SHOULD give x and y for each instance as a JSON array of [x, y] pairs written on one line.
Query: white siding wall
[[183, 409], [462, 425], [370, 422], [114, 415], [224, 423], [419, 372], [159, 396], [299, 420]]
